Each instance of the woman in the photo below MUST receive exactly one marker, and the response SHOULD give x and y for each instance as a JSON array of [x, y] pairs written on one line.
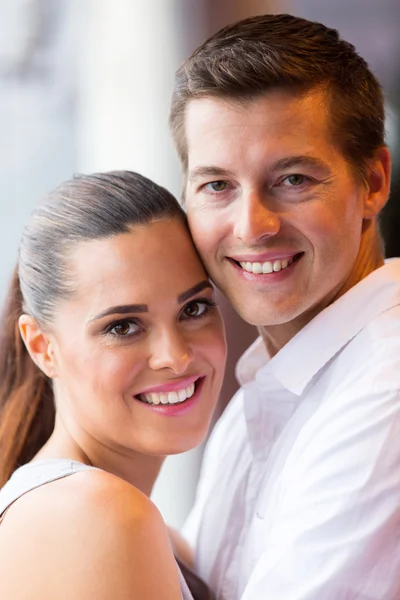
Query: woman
[[112, 357]]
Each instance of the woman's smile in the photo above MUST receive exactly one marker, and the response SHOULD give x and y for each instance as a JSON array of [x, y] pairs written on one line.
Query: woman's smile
[[173, 392]]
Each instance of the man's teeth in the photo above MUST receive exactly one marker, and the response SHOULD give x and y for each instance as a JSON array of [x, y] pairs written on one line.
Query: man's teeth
[[266, 267], [168, 397]]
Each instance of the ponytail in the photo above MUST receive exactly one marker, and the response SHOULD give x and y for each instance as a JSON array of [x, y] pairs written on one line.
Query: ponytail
[[26, 397]]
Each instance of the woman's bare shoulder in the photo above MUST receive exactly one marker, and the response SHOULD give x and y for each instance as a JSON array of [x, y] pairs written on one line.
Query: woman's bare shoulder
[[91, 535], [83, 497]]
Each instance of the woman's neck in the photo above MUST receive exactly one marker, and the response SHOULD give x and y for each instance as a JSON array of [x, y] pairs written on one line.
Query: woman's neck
[[139, 470]]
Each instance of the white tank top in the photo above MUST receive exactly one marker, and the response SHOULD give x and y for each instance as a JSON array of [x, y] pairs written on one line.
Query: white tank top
[[39, 472]]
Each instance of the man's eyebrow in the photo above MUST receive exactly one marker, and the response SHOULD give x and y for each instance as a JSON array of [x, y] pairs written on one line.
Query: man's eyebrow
[[284, 163], [208, 171], [194, 290], [299, 161], [122, 310]]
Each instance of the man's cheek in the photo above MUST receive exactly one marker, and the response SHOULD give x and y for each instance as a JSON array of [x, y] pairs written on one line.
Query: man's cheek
[[206, 242]]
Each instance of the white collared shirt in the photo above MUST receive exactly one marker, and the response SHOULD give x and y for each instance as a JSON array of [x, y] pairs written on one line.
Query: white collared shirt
[[299, 497]]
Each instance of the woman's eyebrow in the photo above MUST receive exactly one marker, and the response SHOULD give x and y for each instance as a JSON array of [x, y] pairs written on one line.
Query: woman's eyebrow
[[122, 310], [142, 308], [194, 290]]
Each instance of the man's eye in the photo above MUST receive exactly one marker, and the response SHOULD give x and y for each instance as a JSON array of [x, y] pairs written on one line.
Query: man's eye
[[217, 186], [124, 328], [295, 179]]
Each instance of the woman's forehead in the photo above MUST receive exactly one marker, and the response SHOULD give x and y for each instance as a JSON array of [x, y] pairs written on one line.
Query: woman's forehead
[[156, 258]]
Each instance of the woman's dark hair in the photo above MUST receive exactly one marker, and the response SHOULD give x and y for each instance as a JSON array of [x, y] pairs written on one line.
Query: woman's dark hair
[[251, 57], [88, 207]]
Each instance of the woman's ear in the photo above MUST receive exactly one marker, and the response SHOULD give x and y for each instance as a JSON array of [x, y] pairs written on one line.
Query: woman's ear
[[38, 344], [378, 180]]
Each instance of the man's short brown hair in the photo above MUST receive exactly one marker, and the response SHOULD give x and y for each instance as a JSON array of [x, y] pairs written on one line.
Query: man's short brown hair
[[255, 55]]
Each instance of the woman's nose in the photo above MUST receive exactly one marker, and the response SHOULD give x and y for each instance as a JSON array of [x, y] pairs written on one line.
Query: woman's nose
[[171, 351]]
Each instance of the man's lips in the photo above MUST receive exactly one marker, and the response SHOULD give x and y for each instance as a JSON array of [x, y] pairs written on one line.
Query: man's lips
[[267, 268], [265, 256]]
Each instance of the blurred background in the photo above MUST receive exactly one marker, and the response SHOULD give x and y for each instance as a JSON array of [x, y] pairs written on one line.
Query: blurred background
[[85, 86]]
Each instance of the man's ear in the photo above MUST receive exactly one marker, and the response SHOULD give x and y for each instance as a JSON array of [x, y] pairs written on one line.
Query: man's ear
[[38, 344], [378, 183]]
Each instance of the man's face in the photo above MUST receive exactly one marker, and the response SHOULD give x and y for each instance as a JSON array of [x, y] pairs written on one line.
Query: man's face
[[272, 204]]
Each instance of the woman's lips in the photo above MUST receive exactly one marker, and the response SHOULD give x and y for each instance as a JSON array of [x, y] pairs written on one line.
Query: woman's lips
[[160, 401], [171, 386]]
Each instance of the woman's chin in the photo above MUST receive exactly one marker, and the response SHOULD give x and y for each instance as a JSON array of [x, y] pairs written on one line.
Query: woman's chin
[[182, 445]]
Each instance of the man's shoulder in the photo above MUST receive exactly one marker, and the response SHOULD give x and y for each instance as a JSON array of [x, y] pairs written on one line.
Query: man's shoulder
[[387, 323], [357, 336], [378, 342], [368, 366]]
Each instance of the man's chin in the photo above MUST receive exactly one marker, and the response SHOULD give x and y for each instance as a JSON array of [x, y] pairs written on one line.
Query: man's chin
[[262, 317]]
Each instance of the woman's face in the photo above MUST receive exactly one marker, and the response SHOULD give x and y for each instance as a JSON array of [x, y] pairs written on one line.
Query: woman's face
[[139, 351]]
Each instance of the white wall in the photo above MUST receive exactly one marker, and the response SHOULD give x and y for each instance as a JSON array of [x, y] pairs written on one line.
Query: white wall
[[37, 57]]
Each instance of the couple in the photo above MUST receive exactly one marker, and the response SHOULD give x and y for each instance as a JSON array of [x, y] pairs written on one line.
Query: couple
[[279, 126]]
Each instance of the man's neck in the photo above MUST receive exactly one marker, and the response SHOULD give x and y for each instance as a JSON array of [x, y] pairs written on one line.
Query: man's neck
[[370, 258]]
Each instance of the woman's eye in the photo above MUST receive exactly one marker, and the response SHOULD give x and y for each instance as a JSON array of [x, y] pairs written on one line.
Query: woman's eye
[[194, 310], [197, 309], [295, 179], [217, 186], [124, 328]]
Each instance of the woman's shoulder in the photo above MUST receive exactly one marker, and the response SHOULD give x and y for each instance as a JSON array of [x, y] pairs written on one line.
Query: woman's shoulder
[[103, 491], [86, 494], [97, 533]]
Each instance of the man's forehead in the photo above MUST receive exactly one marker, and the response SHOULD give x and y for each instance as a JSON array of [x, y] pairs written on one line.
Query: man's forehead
[[228, 117], [280, 125]]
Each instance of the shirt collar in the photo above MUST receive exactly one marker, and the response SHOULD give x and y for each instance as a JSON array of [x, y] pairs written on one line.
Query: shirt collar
[[310, 350], [253, 359]]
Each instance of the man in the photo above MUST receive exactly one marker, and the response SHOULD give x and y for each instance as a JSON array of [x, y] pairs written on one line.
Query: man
[[279, 126]]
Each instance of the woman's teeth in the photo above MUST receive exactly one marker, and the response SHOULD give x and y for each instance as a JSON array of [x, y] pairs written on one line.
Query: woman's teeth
[[168, 397], [266, 267]]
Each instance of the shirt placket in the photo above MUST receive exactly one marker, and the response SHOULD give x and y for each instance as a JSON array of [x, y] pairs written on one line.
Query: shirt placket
[[275, 407]]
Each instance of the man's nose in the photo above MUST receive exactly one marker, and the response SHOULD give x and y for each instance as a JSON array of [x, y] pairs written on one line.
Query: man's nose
[[254, 219], [171, 351]]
